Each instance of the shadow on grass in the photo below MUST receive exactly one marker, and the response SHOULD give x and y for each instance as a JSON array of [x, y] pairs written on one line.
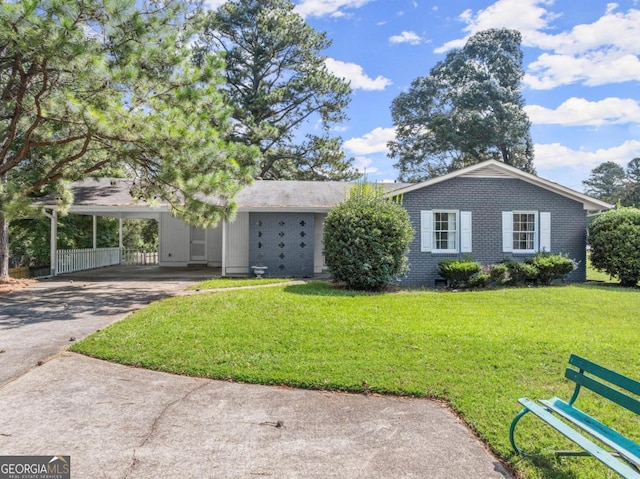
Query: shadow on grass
[[550, 467], [602, 285]]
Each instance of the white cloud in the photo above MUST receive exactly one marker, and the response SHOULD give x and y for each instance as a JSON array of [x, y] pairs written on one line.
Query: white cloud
[[579, 111], [372, 142], [409, 37], [597, 53], [355, 74], [593, 68], [363, 165], [605, 51], [527, 16], [332, 8], [555, 155]]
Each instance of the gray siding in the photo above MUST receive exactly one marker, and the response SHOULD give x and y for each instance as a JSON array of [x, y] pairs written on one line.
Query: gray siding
[[487, 198], [283, 242]]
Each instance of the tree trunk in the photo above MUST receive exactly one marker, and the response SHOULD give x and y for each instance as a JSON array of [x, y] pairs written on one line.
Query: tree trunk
[[4, 247]]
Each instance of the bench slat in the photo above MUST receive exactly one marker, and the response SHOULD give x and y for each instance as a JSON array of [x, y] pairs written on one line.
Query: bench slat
[[596, 451], [626, 447], [603, 390], [607, 374]]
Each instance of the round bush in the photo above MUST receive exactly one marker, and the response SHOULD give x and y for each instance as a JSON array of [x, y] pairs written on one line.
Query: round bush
[[498, 273], [458, 272], [520, 273], [551, 266], [614, 237], [366, 240]]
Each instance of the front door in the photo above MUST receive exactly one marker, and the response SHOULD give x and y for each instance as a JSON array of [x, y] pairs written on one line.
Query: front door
[[198, 250]]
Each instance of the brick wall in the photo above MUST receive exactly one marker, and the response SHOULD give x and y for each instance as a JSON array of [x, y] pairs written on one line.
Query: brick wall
[[487, 198]]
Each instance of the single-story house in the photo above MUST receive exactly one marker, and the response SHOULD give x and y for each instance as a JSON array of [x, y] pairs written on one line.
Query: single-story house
[[489, 211]]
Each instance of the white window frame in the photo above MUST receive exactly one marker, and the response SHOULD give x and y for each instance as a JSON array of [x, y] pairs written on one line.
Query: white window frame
[[428, 232], [536, 231], [455, 232]]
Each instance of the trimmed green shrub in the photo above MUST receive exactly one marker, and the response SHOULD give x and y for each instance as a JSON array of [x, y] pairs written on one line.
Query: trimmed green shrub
[[366, 240], [479, 280], [614, 237], [520, 273], [498, 273], [458, 272], [551, 266]]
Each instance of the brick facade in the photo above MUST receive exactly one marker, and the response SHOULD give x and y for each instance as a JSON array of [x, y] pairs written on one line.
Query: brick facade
[[487, 198]]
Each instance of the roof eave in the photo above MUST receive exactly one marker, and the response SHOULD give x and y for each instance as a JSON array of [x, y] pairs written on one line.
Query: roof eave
[[588, 202]]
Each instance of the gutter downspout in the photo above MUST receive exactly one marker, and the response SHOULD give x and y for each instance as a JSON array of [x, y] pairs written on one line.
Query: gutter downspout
[[53, 241]]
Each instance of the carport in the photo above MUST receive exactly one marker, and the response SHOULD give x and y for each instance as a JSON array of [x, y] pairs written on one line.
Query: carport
[[278, 225], [107, 198]]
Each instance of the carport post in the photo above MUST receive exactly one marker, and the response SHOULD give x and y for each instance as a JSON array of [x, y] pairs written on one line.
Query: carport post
[[120, 237], [53, 240], [95, 231]]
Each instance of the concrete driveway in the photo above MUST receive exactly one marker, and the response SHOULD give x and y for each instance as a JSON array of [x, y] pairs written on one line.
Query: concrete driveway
[[121, 422], [41, 320]]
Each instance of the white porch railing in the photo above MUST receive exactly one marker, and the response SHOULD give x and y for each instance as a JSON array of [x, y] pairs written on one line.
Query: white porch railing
[[70, 260], [138, 256]]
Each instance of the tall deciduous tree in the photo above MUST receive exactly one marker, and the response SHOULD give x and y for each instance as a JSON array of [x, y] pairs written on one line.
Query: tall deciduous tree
[[467, 110], [89, 87], [278, 84]]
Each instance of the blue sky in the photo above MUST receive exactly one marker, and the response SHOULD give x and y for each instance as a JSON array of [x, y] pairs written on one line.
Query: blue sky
[[581, 61]]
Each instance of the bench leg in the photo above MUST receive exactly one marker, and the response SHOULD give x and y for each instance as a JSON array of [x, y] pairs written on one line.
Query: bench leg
[[512, 430]]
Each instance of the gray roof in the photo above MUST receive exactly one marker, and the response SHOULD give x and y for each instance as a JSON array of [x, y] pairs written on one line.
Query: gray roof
[[300, 195], [292, 194], [104, 192], [261, 195], [309, 196]]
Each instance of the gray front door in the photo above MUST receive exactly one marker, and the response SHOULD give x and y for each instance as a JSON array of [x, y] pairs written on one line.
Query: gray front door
[[283, 242]]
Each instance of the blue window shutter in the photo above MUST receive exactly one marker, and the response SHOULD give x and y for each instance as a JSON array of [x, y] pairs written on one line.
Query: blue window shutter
[[507, 232], [545, 232], [426, 230], [465, 231]]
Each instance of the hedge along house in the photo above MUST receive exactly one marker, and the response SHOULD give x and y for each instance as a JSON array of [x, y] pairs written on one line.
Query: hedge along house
[[490, 212]]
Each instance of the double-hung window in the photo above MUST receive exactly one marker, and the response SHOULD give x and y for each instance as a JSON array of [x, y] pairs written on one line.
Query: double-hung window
[[526, 231], [445, 231]]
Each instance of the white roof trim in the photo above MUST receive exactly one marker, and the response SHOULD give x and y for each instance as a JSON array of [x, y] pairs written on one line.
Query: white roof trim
[[498, 169]]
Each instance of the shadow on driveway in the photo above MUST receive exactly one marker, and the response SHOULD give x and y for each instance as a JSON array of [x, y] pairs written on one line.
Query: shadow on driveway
[[42, 319]]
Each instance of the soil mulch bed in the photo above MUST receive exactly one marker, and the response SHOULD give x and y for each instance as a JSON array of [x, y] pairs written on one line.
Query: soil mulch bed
[[11, 284]]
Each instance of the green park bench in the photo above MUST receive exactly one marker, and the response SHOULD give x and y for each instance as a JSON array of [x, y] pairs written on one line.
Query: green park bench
[[622, 455]]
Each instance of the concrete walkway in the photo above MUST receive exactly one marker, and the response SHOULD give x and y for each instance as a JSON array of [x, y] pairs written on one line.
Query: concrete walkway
[[122, 422]]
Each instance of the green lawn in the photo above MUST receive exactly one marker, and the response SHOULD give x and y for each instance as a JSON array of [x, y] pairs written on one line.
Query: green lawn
[[227, 282], [478, 350]]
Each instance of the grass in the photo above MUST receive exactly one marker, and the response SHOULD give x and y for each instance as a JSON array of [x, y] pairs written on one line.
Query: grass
[[479, 351], [216, 283]]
